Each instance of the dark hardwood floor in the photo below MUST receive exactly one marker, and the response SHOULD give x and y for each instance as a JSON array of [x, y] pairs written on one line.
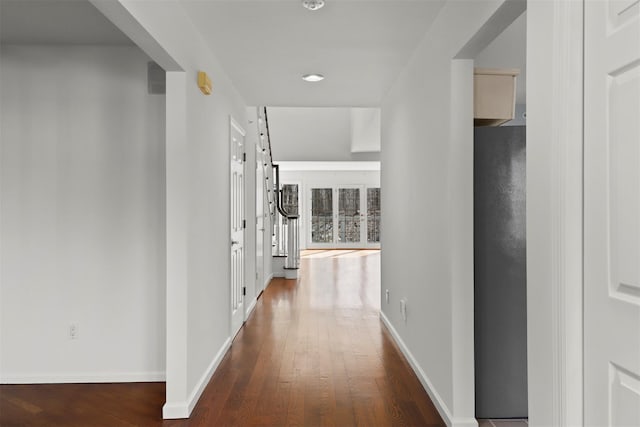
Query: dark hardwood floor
[[313, 353]]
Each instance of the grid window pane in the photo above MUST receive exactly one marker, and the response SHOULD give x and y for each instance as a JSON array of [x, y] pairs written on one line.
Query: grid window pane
[[290, 198], [348, 215], [373, 215], [321, 215]]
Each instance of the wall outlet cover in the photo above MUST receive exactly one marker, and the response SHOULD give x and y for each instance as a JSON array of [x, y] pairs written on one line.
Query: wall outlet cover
[[403, 309]]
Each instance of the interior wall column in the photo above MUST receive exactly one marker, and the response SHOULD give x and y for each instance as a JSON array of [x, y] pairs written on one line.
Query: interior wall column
[[177, 246]]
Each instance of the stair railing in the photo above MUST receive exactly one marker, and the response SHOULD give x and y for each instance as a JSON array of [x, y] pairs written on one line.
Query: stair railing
[[289, 236], [286, 227]]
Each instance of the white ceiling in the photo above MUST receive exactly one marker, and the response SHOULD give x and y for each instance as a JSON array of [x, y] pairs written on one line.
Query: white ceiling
[[267, 45], [56, 22], [324, 133]]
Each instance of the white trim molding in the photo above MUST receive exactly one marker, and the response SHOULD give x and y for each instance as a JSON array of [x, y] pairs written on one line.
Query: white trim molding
[[250, 307], [442, 408], [554, 211], [177, 410], [329, 166], [84, 378], [567, 210], [267, 282]]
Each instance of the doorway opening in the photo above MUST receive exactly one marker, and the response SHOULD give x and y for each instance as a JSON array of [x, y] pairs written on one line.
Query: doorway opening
[[500, 281]]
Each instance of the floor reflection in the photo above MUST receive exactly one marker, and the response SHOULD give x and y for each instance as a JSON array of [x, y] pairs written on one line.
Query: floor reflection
[[355, 278]]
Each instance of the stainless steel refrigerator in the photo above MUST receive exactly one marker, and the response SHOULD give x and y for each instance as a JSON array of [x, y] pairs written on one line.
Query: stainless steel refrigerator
[[500, 272]]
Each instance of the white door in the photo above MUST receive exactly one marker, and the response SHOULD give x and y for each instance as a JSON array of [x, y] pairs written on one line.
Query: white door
[[347, 216], [612, 213], [260, 189], [321, 219], [372, 223], [350, 217], [237, 226]]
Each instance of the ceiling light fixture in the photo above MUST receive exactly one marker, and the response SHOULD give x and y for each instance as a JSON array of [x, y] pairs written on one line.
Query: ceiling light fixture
[[312, 78], [313, 4]]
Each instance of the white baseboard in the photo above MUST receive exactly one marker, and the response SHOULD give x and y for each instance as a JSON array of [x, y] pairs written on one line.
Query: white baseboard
[[177, 410], [426, 383], [250, 308], [465, 422], [268, 281], [80, 378]]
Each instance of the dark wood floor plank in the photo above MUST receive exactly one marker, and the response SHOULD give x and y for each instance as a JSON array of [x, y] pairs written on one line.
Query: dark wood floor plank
[[313, 353], [295, 407]]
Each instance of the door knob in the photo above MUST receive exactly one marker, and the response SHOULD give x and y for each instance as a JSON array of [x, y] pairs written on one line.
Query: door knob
[[234, 242]]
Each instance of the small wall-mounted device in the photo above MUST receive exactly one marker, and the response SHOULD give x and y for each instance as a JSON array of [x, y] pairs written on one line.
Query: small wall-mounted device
[[204, 83], [73, 331]]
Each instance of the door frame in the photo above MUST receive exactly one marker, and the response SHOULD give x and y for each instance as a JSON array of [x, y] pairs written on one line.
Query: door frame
[[260, 186], [555, 211]]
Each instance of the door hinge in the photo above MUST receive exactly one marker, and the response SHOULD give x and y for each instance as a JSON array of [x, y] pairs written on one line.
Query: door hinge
[[244, 157], [244, 223], [244, 290]]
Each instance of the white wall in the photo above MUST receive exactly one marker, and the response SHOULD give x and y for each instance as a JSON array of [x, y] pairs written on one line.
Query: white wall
[[307, 179], [314, 134], [365, 130], [509, 50], [425, 162], [82, 216], [198, 218]]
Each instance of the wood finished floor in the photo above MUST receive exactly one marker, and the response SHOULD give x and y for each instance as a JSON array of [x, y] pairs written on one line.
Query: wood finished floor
[[313, 353]]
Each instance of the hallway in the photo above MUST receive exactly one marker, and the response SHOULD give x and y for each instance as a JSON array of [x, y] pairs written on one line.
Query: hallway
[[315, 353], [312, 353]]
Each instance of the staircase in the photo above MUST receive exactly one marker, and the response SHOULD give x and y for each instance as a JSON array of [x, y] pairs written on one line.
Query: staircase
[[285, 226]]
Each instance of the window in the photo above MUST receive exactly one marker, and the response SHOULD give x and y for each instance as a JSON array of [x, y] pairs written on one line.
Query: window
[[348, 215], [373, 215], [322, 215], [290, 198]]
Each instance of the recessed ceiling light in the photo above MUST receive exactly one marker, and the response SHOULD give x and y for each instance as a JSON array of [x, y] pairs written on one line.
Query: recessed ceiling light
[[312, 77], [313, 4]]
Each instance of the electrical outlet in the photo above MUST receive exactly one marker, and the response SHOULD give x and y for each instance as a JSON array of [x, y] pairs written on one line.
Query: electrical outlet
[[73, 331], [386, 295], [403, 309]]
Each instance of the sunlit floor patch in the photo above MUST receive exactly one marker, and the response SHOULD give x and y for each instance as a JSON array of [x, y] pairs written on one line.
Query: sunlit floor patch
[[337, 253]]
